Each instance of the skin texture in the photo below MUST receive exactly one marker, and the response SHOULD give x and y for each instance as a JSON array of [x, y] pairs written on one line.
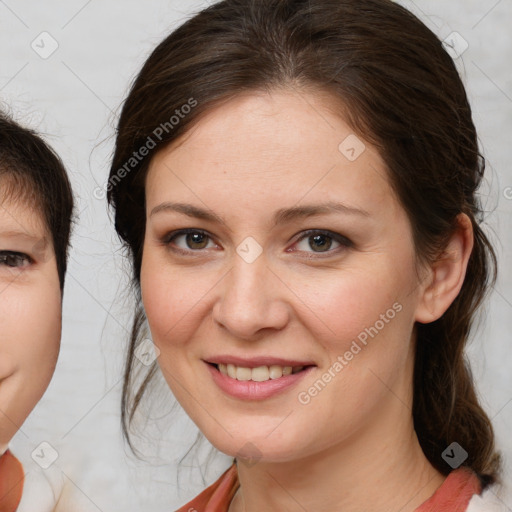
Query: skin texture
[[30, 315], [352, 447]]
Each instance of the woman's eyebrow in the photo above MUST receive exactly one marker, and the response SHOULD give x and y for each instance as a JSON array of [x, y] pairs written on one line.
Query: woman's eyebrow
[[281, 216]]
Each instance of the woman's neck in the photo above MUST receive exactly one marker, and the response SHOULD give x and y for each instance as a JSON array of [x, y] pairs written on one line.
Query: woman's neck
[[383, 470]]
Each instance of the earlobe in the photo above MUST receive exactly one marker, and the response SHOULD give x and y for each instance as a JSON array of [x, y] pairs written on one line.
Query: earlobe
[[447, 274]]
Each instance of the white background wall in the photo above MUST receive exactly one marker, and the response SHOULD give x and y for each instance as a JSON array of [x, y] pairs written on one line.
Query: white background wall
[[73, 97]]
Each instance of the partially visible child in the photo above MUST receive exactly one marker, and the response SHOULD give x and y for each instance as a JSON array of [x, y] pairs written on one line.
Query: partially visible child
[[36, 206]]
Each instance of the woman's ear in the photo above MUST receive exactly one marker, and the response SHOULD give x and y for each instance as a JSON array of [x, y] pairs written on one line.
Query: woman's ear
[[446, 274]]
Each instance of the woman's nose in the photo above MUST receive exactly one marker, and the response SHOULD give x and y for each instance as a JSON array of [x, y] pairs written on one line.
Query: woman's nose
[[252, 299]]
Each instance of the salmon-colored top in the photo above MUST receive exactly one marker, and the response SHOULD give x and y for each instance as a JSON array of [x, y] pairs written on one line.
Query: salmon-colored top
[[11, 482], [452, 496]]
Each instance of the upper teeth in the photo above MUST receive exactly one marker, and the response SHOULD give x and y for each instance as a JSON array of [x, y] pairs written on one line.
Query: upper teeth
[[259, 374]]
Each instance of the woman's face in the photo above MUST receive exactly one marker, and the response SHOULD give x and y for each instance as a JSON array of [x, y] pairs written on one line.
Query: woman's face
[[253, 287], [30, 314]]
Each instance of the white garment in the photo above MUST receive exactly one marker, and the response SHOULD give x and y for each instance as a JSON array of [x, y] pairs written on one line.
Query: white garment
[[41, 489], [492, 499]]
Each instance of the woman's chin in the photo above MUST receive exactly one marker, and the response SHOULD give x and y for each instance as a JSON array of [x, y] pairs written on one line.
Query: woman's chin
[[252, 448]]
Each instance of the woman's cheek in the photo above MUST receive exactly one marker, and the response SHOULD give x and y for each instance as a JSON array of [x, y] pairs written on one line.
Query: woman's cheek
[[166, 301], [174, 297], [347, 303]]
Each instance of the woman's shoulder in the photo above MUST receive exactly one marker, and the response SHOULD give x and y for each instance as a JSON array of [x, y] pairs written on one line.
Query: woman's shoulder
[[494, 498], [216, 497]]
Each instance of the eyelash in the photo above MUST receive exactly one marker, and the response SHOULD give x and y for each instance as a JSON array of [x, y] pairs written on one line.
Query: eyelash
[[6, 255], [342, 240]]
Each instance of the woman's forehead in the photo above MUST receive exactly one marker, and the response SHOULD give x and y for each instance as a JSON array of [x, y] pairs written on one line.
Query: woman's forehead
[[279, 148]]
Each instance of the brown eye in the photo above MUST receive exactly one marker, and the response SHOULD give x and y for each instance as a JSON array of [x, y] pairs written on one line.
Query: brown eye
[[14, 259], [196, 240], [322, 242], [191, 239]]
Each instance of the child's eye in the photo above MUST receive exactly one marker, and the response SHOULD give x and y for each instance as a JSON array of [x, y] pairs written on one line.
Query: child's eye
[[14, 259], [317, 241]]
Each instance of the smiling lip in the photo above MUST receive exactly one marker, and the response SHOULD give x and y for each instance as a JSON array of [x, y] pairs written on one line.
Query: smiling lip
[[254, 362], [252, 390]]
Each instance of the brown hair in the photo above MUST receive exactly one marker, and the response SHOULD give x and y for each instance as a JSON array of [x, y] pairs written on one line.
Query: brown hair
[[31, 171], [401, 92]]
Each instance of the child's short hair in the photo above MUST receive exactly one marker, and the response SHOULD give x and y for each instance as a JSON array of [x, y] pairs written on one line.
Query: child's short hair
[[31, 172]]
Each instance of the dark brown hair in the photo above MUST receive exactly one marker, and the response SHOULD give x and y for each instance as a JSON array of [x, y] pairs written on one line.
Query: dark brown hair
[[31, 171], [399, 89]]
